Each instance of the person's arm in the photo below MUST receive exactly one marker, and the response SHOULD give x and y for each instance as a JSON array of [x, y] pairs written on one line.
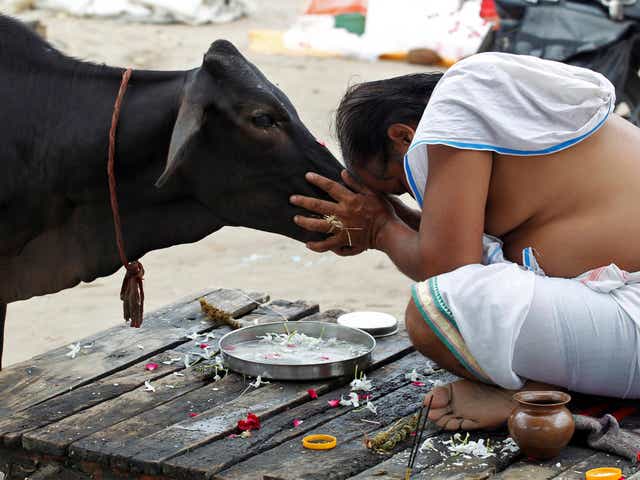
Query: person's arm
[[451, 226], [407, 214], [453, 215]]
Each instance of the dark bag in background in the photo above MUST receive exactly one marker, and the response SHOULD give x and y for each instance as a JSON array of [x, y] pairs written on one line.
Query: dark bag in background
[[578, 33]]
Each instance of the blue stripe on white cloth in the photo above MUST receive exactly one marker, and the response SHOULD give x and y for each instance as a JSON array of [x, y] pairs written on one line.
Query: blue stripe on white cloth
[[412, 183]]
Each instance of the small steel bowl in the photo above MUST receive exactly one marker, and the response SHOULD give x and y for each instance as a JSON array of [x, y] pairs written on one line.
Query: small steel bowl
[[316, 371]]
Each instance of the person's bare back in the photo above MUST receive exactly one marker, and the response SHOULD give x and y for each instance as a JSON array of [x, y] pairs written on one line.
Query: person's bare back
[[577, 208]]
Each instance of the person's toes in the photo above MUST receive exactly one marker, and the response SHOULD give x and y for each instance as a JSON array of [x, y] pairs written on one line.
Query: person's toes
[[441, 397], [449, 422], [438, 413]]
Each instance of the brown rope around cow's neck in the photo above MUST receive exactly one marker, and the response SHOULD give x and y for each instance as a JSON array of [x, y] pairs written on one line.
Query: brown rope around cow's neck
[[132, 292]]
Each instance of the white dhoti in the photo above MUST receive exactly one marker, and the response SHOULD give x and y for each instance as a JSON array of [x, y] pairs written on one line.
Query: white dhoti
[[505, 324]]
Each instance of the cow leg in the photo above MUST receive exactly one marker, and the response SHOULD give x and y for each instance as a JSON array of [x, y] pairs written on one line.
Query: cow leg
[[3, 317]]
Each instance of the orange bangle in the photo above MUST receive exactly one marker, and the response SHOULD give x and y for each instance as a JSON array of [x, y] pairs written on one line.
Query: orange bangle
[[319, 442]]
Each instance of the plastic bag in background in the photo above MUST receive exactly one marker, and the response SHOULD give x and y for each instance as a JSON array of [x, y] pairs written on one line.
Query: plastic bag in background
[[336, 7]]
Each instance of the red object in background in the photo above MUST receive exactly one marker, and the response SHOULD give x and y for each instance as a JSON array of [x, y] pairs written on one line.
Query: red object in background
[[336, 7], [488, 10]]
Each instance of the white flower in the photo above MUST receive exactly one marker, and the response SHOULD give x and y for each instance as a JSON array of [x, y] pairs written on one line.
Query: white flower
[[351, 401], [361, 384], [413, 376], [148, 387], [371, 407], [428, 443], [258, 382], [74, 349], [178, 374], [171, 361], [509, 445], [469, 447]]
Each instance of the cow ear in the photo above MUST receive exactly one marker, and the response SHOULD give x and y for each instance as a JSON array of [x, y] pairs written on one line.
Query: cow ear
[[188, 123]]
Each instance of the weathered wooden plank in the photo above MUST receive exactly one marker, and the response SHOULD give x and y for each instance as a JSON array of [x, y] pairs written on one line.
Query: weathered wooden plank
[[265, 402], [291, 461], [278, 310], [57, 408], [543, 470], [577, 471], [112, 444], [55, 440], [54, 373], [219, 422], [394, 467], [205, 461]]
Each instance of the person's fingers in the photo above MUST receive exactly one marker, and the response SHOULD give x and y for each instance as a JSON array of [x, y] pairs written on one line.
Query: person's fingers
[[337, 191], [312, 224], [353, 184], [331, 243], [314, 205]]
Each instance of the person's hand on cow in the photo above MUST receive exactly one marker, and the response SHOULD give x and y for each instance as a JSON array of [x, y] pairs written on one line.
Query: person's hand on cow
[[356, 217]]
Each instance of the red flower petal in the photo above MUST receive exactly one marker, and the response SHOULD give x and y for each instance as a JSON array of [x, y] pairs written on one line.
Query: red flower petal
[[312, 393], [364, 396], [333, 403], [203, 345], [233, 435], [296, 422], [151, 366], [418, 384], [193, 414], [252, 422]]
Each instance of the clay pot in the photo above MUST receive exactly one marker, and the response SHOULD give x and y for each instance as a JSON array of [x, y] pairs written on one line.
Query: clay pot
[[541, 425]]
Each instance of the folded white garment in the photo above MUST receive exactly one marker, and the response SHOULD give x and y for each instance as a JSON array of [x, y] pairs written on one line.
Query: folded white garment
[[509, 104]]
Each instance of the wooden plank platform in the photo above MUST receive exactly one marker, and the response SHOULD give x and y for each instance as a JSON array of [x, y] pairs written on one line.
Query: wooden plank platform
[[93, 416]]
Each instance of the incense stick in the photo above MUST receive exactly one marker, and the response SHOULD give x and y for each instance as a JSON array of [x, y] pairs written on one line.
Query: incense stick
[[418, 439]]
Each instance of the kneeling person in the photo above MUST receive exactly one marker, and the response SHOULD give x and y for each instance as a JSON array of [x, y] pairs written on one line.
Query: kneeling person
[[528, 185]]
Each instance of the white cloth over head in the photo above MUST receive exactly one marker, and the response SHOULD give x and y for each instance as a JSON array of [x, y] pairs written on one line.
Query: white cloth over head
[[509, 104]]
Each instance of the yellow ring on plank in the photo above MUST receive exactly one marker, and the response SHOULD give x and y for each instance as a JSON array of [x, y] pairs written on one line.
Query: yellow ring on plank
[[319, 442]]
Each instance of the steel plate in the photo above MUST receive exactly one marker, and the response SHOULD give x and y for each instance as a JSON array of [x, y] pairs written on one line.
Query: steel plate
[[310, 371]]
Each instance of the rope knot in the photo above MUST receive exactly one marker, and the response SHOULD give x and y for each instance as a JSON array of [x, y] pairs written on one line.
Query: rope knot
[[132, 294]]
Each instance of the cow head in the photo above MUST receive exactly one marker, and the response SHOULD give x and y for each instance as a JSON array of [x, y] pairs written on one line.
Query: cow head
[[240, 148]]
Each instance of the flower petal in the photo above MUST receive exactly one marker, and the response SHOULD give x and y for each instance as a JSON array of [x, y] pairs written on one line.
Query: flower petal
[[418, 384], [296, 422], [193, 414], [151, 366], [312, 393], [333, 403]]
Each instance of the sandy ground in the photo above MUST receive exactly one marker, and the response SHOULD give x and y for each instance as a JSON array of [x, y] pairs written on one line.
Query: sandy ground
[[232, 257]]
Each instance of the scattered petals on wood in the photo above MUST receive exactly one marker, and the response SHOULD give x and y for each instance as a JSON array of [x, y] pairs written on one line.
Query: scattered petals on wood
[[312, 393], [151, 366], [333, 403]]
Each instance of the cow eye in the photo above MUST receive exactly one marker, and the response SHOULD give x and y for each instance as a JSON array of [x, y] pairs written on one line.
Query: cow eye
[[263, 120]]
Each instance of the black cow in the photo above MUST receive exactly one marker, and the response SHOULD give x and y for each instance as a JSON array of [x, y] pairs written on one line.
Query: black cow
[[197, 150]]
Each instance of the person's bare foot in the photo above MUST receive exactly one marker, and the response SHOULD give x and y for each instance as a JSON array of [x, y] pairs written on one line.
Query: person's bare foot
[[467, 405]]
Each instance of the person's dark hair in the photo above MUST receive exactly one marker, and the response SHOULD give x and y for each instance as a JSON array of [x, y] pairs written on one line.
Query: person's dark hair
[[368, 109]]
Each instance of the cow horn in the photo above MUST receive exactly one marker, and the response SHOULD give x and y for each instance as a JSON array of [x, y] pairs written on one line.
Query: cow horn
[[187, 125]]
